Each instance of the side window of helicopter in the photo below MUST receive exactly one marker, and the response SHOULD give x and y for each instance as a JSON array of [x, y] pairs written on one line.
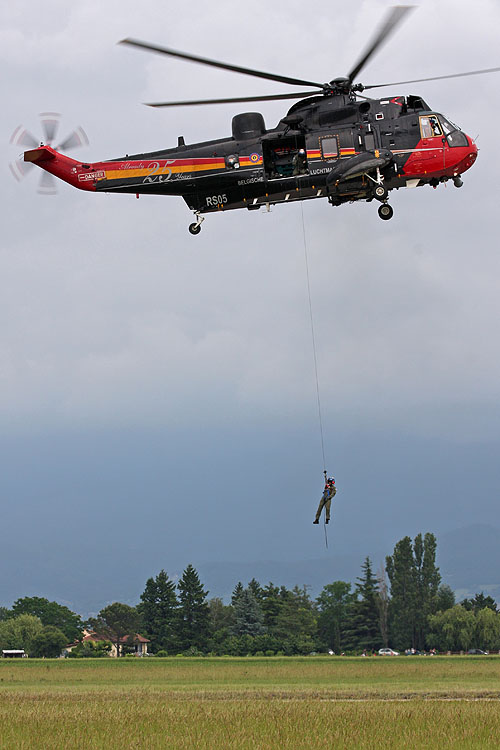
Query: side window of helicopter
[[329, 147], [429, 126]]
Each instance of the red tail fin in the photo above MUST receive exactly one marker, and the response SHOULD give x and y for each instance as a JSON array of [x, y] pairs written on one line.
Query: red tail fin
[[44, 153]]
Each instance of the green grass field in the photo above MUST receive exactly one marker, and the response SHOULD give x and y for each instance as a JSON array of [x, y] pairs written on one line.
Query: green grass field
[[291, 703]]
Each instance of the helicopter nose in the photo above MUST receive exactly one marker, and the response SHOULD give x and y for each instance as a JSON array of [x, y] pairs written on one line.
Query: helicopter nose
[[473, 147], [473, 150], [468, 156]]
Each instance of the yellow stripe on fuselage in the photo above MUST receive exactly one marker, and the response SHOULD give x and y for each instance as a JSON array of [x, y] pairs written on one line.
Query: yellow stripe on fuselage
[[316, 154], [166, 169]]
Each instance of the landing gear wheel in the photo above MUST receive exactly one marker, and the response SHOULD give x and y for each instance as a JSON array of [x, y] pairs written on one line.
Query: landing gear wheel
[[195, 228], [385, 212], [380, 193]]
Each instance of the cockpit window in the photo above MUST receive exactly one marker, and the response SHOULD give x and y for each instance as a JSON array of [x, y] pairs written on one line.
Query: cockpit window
[[429, 126], [457, 138], [448, 127], [453, 134]]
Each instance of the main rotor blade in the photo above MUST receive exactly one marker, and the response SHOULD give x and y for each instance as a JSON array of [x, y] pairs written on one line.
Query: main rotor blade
[[435, 78], [50, 125], [393, 19], [234, 100], [217, 64]]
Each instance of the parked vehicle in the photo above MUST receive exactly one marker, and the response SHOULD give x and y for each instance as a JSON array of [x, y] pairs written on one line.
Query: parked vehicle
[[387, 652], [477, 651]]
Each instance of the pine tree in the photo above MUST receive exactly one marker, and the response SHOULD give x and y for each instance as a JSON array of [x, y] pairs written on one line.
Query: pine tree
[[479, 602], [256, 589], [248, 615], [158, 609], [193, 625], [445, 598], [237, 591], [364, 626], [297, 616], [271, 605]]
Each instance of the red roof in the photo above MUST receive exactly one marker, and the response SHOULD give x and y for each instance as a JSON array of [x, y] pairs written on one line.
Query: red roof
[[137, 638]]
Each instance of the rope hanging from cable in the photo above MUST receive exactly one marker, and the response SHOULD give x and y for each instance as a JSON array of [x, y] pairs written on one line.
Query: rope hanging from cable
[[315, 357]]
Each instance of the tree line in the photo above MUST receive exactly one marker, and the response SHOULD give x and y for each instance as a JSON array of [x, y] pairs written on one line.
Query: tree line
[[404, 605]]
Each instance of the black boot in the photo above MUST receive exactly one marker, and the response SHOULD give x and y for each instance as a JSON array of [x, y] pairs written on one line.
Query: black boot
[[316, 521]]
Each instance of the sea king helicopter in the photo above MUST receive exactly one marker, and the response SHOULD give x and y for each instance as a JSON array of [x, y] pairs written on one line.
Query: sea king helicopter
[[333, 143]]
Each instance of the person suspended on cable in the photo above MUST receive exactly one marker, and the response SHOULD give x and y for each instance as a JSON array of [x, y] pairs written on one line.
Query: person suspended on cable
[[326, 498]]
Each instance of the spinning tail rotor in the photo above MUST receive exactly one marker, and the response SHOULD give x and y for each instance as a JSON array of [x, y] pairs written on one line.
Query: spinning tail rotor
[[50, 122]]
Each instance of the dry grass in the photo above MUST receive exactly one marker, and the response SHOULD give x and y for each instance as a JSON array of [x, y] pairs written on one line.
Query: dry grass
[[146, 721], [250, 703]]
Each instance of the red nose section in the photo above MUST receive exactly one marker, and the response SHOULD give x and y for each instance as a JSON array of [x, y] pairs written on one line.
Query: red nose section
[[468, 158]]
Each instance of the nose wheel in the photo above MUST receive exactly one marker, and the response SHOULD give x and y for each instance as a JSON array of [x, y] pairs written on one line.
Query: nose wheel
[[380, 193], [385, 211]]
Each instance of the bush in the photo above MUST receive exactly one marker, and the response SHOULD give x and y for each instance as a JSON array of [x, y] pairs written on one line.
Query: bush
[[49, 642], [161, 653]]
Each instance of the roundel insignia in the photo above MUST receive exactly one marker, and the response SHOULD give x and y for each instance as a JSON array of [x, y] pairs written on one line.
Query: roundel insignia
[[255, 157]]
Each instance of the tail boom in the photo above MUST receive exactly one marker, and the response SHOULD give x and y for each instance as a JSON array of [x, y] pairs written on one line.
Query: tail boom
[[78, 174]]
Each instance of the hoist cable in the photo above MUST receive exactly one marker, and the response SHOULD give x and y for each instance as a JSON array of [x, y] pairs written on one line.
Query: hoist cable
[[313, 338]]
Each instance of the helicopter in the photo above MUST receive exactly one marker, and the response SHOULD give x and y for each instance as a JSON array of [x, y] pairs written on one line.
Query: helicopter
[[333, 143]]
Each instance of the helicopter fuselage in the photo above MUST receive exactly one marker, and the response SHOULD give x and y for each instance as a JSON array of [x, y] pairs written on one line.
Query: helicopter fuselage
[[336, 147]]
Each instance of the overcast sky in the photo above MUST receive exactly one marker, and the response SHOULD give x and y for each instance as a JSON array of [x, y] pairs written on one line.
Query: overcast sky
[[157, 399]]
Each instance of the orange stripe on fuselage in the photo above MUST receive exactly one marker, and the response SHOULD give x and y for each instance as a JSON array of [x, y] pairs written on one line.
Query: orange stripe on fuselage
[[142, 169], [317, 154], [118, 171]]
